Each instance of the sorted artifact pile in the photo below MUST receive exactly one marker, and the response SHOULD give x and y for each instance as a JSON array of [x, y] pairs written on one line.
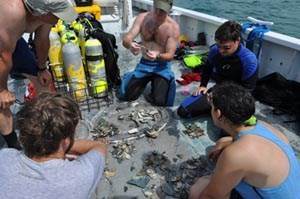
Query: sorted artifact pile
[[142, 116], [123, 150], [154, 174], [130, 122], [175, 179], [193, 130], [104, 129]]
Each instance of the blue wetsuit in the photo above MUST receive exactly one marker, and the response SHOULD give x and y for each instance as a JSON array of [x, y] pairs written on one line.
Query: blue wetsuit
[[241, 67], [162, 81], [24, 60], [289, 188]]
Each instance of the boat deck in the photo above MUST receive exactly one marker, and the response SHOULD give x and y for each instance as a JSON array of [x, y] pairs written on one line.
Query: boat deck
[[164, 166], [177, 157]]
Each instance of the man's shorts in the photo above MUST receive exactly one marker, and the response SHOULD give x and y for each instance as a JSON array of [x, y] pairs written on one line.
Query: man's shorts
[[24, 60]]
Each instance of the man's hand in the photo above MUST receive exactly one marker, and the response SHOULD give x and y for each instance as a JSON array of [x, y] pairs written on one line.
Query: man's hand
[[7, 98], [200, 90], [83, 146], [220, 145], [71, 156], [151, 55], [135, 48], [44, 77]]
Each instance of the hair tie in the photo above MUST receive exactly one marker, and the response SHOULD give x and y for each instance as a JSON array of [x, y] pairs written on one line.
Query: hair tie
[[251, 121]]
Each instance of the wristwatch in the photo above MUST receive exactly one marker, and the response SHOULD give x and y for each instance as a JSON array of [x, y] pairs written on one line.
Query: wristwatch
[[41, 69]]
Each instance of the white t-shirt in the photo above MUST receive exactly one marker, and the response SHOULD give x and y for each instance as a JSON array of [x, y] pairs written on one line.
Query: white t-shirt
[[23, 178]]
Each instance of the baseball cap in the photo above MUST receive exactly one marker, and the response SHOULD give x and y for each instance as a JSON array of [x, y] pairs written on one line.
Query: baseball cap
[[63, 9], [165, 5]]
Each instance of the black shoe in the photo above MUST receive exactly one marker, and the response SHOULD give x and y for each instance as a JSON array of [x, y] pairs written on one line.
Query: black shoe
[[12, 141]]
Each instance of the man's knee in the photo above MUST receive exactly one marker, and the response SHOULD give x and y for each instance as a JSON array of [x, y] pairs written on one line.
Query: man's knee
[[130, 96], [182, 112], [159, 101]]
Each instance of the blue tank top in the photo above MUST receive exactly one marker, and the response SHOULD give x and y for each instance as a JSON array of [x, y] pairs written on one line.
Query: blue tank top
[[289, 188]]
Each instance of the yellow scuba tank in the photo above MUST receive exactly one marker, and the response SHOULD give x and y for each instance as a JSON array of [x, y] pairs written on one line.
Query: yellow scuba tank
[[79, 29], [69, 36], [74, 70], [61, 27], [55, 56], [96, 67]]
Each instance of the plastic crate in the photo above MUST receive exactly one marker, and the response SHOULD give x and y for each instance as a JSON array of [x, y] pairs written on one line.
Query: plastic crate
[[93, 9]]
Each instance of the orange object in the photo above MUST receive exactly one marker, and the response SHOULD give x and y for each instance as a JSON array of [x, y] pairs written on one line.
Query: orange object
[[52, 86], [30, 92]]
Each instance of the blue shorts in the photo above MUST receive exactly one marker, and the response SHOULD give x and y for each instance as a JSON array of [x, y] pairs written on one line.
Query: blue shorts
[[24, 60]]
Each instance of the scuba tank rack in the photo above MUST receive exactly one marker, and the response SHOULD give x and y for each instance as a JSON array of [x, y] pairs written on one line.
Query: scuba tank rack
[[88, 98], [77, 65]]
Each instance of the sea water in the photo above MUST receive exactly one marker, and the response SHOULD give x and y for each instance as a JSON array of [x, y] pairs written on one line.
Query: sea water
[[284, 13]]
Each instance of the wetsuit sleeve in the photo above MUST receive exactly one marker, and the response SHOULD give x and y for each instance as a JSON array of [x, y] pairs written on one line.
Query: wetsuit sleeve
[[208, 67], [206, 73], [250, 72]]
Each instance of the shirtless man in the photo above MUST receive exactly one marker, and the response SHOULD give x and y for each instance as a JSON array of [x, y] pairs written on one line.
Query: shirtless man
[[256, 159], [159, 37], [25, 16]]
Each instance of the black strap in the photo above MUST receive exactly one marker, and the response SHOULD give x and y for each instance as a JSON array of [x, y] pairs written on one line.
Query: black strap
[[258, 194], [41, 69], [94, 57]]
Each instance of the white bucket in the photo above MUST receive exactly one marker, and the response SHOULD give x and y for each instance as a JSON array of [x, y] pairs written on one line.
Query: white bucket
[[106, 3]]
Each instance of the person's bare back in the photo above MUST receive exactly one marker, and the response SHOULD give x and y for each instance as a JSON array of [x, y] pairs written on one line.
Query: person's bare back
[[12, 25], [259, 155]]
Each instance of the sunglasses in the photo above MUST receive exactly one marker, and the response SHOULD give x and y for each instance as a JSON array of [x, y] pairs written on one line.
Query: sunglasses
[[224, 47]]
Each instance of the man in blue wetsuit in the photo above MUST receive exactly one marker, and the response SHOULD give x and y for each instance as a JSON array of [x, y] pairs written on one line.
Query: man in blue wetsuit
[[159, 37], [256, 159], [228, 60]]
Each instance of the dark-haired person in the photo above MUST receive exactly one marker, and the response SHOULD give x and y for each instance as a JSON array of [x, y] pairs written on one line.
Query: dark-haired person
[[228, 60], [159, 35], [257, 160], [19, 17], [41, 170]]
